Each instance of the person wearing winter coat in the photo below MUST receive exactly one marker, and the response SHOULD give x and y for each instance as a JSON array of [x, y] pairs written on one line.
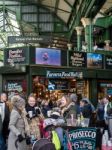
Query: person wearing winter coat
[[17, 125], [5, 114], [67, 107], [34, 116]]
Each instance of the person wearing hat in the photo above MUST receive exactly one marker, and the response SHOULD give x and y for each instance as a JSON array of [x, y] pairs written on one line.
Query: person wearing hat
[[17, 125]]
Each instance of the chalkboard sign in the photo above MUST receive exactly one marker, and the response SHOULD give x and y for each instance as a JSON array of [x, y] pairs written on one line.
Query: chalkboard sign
[[80, 139], [108, 62], [77, 59]]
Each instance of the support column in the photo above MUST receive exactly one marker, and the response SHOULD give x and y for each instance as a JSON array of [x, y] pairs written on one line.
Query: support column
[[87, 23], [79, 40]]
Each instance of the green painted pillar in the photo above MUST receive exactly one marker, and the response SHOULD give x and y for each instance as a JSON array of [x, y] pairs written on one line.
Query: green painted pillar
[[79, 38], [107, 37], [87, 23]]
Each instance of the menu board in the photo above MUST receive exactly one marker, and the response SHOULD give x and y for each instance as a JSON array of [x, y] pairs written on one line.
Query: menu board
[[80, 87], [77, 59], [80, 139], [108, 62]]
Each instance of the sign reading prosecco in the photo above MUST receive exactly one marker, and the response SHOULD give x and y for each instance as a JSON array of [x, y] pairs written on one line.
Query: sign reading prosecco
[[63, 74], [81, 139]]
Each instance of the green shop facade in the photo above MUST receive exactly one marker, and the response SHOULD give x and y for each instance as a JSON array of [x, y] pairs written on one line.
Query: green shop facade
[[46, 71]]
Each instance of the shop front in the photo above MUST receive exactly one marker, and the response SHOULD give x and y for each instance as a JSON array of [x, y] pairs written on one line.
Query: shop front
[[48, 81], [46, 72]]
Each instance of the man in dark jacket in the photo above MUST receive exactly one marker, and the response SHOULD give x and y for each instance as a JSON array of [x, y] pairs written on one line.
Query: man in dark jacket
[[5, 114]]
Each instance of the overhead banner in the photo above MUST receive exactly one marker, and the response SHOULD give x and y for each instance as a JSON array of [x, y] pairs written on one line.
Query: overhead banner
[[29, 39], [64, 74], [80, 139]]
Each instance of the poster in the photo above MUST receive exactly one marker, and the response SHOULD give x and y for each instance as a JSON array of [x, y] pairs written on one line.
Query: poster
[[77, 59], [94, 60], [80, 139]]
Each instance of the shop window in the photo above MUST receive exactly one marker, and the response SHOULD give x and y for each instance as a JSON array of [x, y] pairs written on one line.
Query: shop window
[[47, 88]]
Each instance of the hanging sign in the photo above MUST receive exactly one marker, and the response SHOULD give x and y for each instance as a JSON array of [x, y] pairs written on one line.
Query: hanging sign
[[29, 39], [80, 139]]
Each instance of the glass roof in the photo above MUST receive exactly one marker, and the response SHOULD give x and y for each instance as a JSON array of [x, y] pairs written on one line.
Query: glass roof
[[8, 26], [66, 10]]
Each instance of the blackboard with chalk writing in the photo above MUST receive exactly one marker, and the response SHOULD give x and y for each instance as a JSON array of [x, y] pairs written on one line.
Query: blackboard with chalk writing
[[80, 139]]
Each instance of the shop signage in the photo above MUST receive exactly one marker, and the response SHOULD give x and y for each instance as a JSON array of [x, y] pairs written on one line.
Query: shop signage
[[29, 39], [80, 139], [15, 55], [108, 62], [63, 74], [77, 59], [14, 87], [57, 85]]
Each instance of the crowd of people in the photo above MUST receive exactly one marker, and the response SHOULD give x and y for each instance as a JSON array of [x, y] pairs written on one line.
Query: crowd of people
[[24, 121]]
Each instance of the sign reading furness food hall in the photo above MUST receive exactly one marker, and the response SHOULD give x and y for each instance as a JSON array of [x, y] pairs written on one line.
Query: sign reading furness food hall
[[63, 74], [16, 55]]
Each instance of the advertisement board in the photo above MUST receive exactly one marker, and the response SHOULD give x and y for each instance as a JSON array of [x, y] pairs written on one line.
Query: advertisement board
[[94, 60], [17, 55], [80, 139], [58, 85], [47, 56], [77, 59]]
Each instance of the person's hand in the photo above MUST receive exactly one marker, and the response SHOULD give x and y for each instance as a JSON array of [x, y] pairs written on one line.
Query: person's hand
[[20, 138], [28, 140]]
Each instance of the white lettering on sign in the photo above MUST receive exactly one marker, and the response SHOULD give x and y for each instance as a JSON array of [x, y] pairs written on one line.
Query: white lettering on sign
[[64, 74], [82, 134], [14, 87], [77, 59], [109, 61], [16, 55]]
